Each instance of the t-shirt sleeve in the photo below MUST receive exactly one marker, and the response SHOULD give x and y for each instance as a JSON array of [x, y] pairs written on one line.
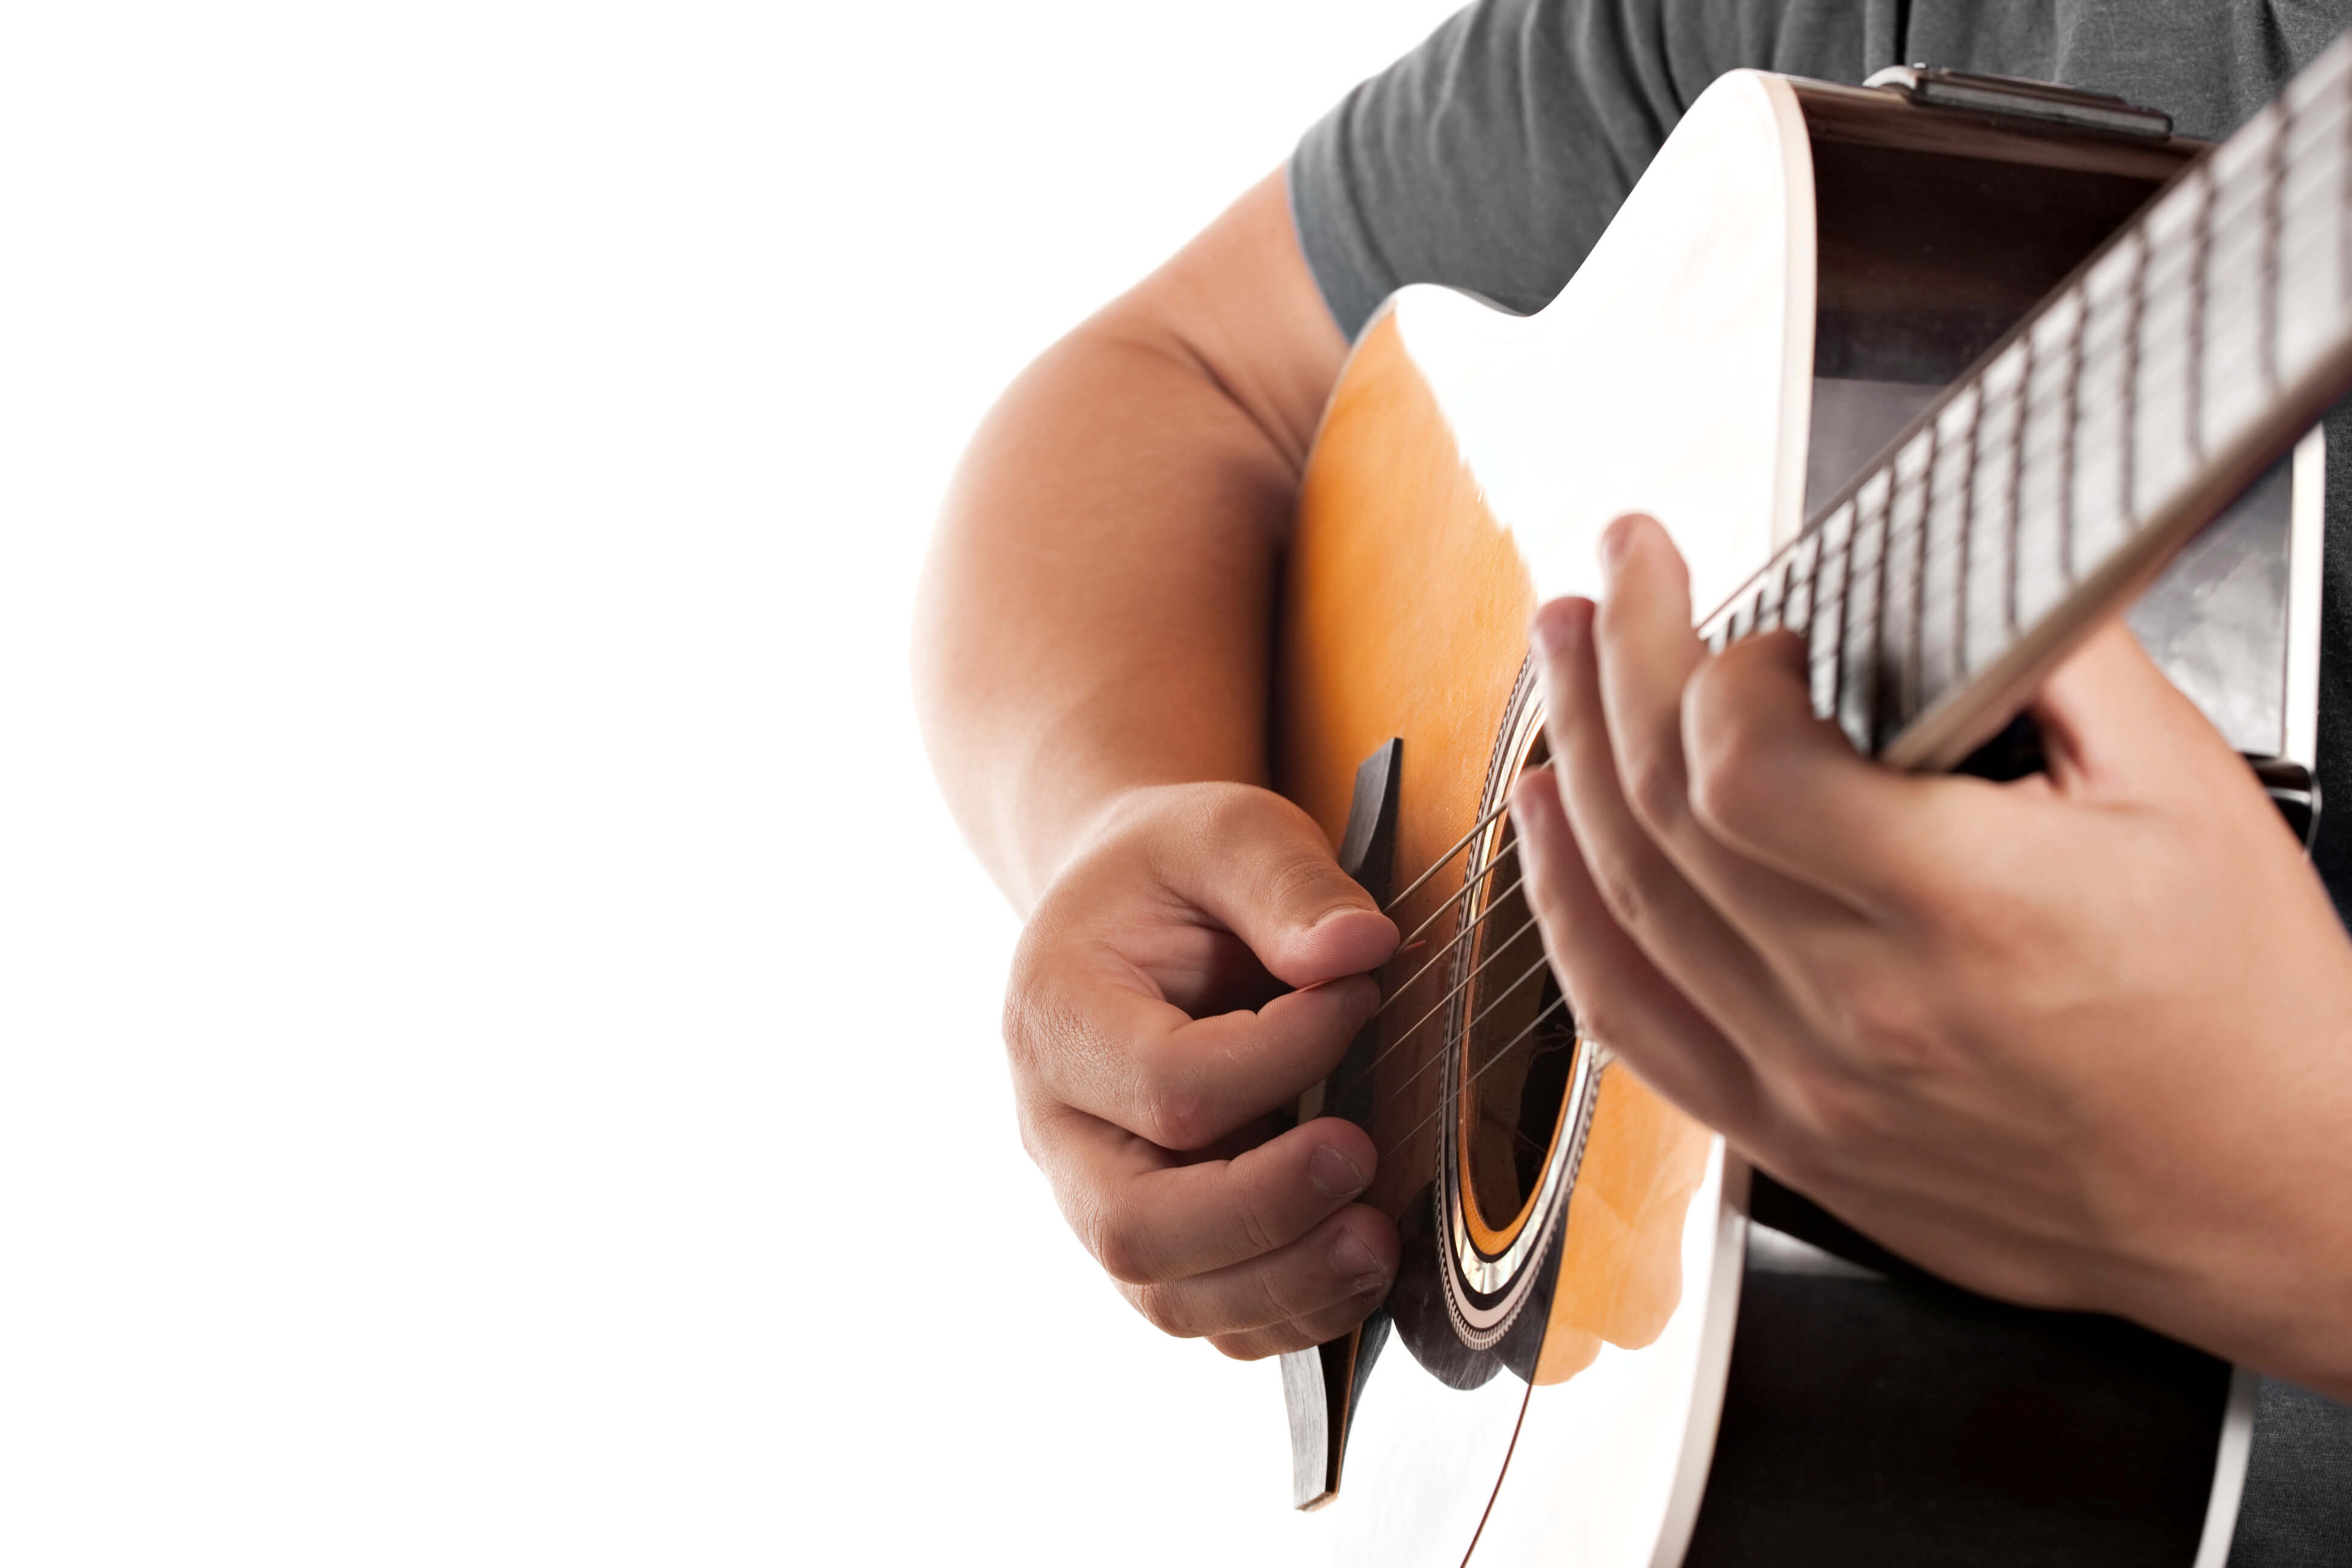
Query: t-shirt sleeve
[[1491, 158]]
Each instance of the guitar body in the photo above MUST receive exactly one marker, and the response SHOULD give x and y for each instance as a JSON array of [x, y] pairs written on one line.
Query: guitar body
[[1610, 1343]]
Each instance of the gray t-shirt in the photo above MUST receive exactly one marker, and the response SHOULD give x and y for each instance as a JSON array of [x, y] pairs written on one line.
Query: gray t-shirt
[[1492, 157]]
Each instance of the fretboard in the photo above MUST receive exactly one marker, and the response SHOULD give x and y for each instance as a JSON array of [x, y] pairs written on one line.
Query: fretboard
[[2056, 478]]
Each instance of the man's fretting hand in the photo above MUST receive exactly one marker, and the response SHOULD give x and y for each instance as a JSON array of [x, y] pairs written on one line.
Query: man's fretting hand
[[2083, 1040], [1153, 1026]]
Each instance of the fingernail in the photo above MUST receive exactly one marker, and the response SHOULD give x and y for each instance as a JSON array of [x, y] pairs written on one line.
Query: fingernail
[[1334, 1175], [1522, 817], [1558, 625], [1352, 1259], [1613, 539]]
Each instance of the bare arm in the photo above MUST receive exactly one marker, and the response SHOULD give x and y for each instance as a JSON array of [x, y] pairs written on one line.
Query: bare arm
[[1096, 608], [1091, 669]]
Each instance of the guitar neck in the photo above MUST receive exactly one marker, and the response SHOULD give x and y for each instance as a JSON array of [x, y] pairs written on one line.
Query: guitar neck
[[2053, 481]]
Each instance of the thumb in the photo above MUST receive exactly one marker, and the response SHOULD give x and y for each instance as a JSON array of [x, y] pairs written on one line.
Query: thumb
[[1261, 867]]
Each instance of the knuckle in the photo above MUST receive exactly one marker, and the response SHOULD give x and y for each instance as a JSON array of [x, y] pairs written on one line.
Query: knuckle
[[1178, 1118], [1032, 1136], [1035, 1022], [1623, 885], [1163, 1309], [1835, 1114], [1885, 1027], [1284, 1294], [1720, 793], [1123, 1260], [1655, 788], [1226, 816], [1288, 850], [1113, 1238], [1598, 1017], [1301, 879], [1018, 1026], [1257, 1231]]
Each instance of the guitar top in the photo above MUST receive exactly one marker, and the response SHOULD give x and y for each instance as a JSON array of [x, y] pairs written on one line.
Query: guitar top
[[2012, 350]]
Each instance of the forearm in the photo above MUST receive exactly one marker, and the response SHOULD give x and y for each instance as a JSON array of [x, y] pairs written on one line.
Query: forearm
[[1095, 615]]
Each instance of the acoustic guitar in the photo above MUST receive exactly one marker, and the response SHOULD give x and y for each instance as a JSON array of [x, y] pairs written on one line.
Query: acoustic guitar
[[1937, 372]]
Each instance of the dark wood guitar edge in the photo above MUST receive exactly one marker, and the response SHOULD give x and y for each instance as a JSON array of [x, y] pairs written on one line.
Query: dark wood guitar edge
[[1319, 1386], [1871, 1409]]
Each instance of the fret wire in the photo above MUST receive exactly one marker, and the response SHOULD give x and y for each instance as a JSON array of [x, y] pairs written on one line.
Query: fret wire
[[1967, 517], [2274, 181], [2138, 349], [2016, 492], [1830, 628], [2218, 356], [1800, 580], [2069, 420], [2026, 440], [1850, 631], [2201, 241], [2135, 302], [1915, 677], [1874, 676], [1837, 629], [2344, 202], [2042, 440]]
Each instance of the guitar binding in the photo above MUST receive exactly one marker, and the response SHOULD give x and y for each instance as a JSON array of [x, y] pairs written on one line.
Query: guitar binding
[[1515, 1115]]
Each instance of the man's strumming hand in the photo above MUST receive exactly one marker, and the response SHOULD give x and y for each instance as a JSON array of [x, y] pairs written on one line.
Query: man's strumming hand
[[1199, 961]]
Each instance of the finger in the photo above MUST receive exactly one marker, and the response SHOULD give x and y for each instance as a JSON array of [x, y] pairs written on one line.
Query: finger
[[1149, 1220], [1083, 1031], [1257, 864], [1644, 892], [1645, 651], [1618, 995], [1775, 784], [1300, 1333], [2113, 724], [1353, 1253], [1645, 655]]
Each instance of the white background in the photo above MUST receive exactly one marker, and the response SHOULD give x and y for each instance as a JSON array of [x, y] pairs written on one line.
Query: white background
[[497, 1054]]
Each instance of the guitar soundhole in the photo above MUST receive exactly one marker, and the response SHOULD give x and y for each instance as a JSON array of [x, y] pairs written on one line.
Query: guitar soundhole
[[1520, 1051]]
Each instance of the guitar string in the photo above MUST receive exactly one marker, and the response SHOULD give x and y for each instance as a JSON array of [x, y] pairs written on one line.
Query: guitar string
[[1489, 1066], [2030, 436], [1435, 866], [1467, 884], [1789, 574], [1444, 1002], [2033, 448], [1876, 523], [1448, 950], [1893, 533], [1530, 973], [1471, 929]]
